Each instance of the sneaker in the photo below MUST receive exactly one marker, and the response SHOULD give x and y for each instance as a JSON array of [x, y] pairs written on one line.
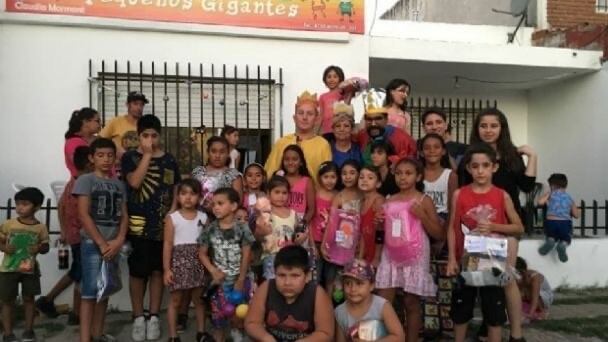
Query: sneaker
[[561, 251], [547, 246], [46, 307], [138, 332], [28, 336], [182, 323], [204, 337], [153, 328], [73, 319], [104, 338], [9, 338]]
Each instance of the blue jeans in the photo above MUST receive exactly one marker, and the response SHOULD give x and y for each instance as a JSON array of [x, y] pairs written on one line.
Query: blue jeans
[[91, 260]]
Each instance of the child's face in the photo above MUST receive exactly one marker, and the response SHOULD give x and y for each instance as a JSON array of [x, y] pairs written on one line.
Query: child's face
[[357, 290], [489, 129], [187, 198], [233, 138], [254, 178], [278, 196], [432, 151], [305, 117], [241, 216], [290, 281], [342, 130], [379, 158], [150, 134], [434, 123], [25, 208], [350, 176], [222, 207], [291, 162], [481, 168], [400, 94], [332, 80], [103, 159], [329, 180], [406, 176], [218, 155], [368, 181]]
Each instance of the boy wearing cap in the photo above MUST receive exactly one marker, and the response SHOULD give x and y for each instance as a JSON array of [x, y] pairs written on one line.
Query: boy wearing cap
[[117, 127], [363, 309]]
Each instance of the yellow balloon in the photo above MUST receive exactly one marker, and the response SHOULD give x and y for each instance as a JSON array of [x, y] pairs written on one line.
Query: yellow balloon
[[241, 310]]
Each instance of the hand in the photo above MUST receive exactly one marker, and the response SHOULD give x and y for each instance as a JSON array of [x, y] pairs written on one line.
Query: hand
[[324, 252], [218, 276], [526, 150], [239, 284], [8, 249], [453, 269], [484, 228], [417, 209], [376, 263], [379, 218], [146, 146], [168, 277], [324, 217], [33, 249], [113, 248]]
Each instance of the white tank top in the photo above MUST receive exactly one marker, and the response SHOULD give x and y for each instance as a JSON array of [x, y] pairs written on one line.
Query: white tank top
[[187, 231], [438, 191]]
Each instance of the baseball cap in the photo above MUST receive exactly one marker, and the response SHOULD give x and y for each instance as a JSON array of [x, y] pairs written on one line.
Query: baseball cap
[[136, 96], [359, 269]]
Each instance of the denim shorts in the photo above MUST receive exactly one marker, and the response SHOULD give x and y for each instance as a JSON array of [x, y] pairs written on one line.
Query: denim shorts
[[91, 259], [75, 272]]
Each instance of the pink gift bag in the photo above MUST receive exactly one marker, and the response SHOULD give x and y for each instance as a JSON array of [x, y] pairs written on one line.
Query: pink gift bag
[[342, 236], [402, 233]]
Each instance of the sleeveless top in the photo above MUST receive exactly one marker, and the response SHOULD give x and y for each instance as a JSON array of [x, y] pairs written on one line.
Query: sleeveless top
[[438, 191], [468, 201], [297, 196], [283, 230], [560, 205], [187, 231], [234, 153], [290, 322], [368, 234], [316, 224], [346, 321]]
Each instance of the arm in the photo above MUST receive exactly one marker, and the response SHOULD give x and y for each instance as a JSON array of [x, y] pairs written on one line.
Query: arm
[[61, 215], [535, 284], [310, 201], [453, 267], [136, 178], [425, 211], [544, 198], [575, 211], [392, 324], [115, 245], [168, 250], [216, 273], [452, 186], [245, 259], [254, 322], [340, 337], [237, 161], [532, 160], [324, 319], [513, 228], [43, 244]]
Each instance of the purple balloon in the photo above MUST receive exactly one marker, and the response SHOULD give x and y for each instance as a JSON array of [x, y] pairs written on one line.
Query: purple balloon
[[228, 310]]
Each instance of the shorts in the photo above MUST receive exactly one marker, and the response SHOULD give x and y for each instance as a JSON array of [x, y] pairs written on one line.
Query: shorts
[[146, 257], [560, 230], [75, 272], [493, 304], [30, 285], [91, 260]]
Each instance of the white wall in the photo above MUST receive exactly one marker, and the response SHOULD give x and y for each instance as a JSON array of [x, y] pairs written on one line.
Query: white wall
[[567, 126]]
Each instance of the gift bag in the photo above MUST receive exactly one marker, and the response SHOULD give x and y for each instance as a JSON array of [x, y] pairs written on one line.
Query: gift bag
[[368, 330], [484, 262], [342, 236], [402, 233], [21, 260], [108, 281]]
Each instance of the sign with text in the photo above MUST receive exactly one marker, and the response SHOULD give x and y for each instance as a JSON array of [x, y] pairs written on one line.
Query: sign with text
[[312, 15]]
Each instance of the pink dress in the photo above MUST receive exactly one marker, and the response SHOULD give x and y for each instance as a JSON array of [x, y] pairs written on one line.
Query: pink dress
[[415, 278], [69, 148], [297, 196], [318, 224], [326, 106]]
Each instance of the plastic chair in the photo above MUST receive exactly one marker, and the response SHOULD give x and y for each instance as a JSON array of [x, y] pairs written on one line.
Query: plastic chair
[[57, 188]]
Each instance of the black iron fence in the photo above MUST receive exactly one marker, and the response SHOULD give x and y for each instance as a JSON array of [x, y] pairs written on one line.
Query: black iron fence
[[47, 214]]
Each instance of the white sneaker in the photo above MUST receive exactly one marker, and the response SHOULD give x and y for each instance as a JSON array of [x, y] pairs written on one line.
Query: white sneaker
[[153, 328], [138, 332]]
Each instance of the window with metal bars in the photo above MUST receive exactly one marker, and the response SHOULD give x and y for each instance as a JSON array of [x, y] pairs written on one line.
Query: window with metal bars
[[601, 6]]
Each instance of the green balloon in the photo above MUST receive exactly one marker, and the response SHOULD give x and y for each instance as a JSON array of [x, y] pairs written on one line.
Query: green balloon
[[338, 295]]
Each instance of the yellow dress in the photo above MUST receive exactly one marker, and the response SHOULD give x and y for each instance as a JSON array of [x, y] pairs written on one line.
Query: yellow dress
[[316, 151]]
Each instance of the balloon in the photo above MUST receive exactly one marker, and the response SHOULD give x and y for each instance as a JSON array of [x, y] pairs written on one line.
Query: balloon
[[241, 311], [338, 295], [228, 310], [235, 297]]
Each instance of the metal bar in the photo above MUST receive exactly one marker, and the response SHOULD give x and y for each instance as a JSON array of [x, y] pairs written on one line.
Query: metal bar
[[48, 213], [200, 76], [583, 218], [224, 92], [247, 96], [103, 91], [212, 95], [128, 77], [141, 77], [259, 149], [595, 209], [419, 109], [9, 208], [165, 100], [271, 114], [281, 101], [116, 88], [91, 83], [177, 83], [236, 98], [465, 138], [189, 114], [606, 217], [153, 91]]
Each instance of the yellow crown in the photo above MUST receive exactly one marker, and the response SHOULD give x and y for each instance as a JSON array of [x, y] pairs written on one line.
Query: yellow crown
[[307, 97], [374, 102], [341, 107]]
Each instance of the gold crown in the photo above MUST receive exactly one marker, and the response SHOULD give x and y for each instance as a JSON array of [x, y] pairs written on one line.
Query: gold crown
[[374, 102], [341, 107], [307, 97]]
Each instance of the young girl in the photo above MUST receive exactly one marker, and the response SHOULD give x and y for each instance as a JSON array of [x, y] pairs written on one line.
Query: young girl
[[414, 278], [230, 242], [183, 271], [397, 92], [327, 178], [332, 77], [231, 134], [363, 307], [349, 198], [379, 154], [536, 293], [371, 209], [302, 190]]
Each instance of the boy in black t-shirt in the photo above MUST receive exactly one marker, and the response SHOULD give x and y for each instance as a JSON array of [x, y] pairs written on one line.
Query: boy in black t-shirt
[[150, 175], [290, 307]]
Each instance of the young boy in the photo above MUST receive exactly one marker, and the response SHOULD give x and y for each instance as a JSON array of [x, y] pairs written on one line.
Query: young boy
[[21, 239], [481, 163], [70, 233], [288, 308], [560, 211], [150, 175], [102, 210]]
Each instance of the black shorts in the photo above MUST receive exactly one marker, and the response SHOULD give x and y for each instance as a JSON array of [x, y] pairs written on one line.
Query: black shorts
[[493, 304], [75, 272], [146, 257], [9, 285]]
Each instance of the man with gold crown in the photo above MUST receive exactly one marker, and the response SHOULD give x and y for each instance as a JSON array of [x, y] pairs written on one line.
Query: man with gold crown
[[377, 129], [316, 149]]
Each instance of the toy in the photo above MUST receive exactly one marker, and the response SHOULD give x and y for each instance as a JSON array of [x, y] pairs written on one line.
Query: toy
[[235, 297], [228, 310], [241, 311], [263, 207]]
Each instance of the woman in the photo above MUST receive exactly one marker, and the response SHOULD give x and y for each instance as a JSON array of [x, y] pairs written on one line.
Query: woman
[[83, 127], [397, 92], [340, 140]]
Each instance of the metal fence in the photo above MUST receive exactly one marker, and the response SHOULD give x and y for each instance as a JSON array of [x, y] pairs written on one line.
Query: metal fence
[[601, 6]]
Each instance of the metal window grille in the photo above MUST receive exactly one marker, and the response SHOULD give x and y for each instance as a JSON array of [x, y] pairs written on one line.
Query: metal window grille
[[601, 6]]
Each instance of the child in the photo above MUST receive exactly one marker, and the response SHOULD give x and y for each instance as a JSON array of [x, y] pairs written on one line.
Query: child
[[379, 155], [371, 209], [70, 233], [254, 189], [21, 239], [150, 175], [362, 305], [290, 308], [302, 190], [332, 77], [230, 242], [102, 208], [183, 271], [231, 134], [536, 293], [439, 180], [480, 161], [242, 215], [413, 277], [327, 178], [558, 222], [349, 199]]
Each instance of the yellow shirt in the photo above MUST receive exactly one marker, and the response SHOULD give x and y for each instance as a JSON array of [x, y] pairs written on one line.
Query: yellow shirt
[[316, 151], [21, 236], [116, 128]]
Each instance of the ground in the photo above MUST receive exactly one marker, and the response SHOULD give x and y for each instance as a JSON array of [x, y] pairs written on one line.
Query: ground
[[577, 316]]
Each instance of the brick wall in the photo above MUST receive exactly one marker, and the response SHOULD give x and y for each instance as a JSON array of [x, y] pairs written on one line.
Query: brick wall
[[567, 13]]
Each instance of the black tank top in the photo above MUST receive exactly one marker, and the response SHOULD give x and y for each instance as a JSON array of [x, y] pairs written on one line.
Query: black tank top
[[290, 322]]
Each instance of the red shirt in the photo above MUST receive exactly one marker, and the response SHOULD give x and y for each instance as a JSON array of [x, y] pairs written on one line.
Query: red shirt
[[70, 218], [468, 201], [402, 142], [69, 148]]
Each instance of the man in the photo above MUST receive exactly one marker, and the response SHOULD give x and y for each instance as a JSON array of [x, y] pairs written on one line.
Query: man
[[120, 126], [435, 121], [377, 129]]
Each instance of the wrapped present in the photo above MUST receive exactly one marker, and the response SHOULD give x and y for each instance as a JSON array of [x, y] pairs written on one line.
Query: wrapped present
[[368, 330], [402, 234]]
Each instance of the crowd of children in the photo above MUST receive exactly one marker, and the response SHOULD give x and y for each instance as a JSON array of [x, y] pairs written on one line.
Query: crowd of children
[[268, 253]]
